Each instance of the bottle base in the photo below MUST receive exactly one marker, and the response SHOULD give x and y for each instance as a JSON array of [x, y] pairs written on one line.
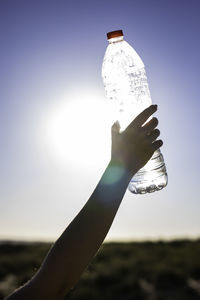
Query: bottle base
[[142, 189], [151, 178]]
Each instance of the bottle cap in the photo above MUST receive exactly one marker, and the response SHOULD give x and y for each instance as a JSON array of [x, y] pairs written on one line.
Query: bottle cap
[[114, 34]]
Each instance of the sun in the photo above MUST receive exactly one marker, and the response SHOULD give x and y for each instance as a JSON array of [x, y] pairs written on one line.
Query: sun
[[77, 129]]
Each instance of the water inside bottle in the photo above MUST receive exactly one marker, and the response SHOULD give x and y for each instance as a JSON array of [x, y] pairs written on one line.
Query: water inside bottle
[[127, 90]]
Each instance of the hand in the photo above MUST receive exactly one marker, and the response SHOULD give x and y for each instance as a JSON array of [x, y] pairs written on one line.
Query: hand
[[133, 147]]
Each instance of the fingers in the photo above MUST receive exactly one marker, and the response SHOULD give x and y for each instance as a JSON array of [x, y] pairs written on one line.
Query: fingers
[[153, 135], [143, 116], [156, 145], [149, 126]]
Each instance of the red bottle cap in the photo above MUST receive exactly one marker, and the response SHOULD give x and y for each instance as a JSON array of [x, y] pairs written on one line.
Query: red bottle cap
[[114, 34]]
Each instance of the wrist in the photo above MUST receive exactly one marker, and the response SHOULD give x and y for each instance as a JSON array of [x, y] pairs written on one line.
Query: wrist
[[114, 182], [118, 171], [129, 170]]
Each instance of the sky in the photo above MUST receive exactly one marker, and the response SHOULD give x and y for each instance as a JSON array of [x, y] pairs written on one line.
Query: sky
[[54, 133]]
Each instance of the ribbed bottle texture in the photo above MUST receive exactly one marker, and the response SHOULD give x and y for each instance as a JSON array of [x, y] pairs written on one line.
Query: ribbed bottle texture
[[127, 90]]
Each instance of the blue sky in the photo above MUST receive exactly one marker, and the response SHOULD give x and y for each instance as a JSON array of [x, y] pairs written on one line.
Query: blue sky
[[50, 69]]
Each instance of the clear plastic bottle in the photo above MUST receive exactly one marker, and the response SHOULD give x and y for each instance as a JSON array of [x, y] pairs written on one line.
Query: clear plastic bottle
[[126, 87]]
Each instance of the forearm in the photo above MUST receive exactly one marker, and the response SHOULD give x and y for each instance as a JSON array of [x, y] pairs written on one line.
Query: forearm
[[78, 244]]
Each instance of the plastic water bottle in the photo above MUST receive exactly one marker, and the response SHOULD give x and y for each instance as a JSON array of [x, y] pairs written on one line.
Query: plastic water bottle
[[126, 87]]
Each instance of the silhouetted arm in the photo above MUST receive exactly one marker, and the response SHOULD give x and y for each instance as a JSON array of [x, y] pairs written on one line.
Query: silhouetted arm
[[78, 244]]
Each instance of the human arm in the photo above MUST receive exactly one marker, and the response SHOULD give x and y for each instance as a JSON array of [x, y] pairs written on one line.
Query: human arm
[[78, 244]]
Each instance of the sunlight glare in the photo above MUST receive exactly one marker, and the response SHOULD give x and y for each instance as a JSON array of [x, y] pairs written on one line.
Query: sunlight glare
[[77, 129]]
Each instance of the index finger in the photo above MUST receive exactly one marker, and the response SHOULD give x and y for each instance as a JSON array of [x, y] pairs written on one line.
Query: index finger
[[143, 116]]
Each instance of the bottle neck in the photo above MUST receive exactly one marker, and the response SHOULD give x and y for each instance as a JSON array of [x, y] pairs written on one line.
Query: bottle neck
[[116, 39]]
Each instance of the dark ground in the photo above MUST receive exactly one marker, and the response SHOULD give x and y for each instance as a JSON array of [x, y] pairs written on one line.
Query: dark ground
[[120, 271]]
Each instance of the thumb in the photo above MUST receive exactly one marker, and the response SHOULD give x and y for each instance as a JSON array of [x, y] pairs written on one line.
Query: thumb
[[115, 128]]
